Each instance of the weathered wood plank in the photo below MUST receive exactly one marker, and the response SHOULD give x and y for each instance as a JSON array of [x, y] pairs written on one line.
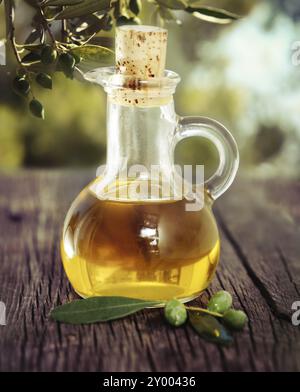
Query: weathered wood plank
[[265, 237], [260, 229]]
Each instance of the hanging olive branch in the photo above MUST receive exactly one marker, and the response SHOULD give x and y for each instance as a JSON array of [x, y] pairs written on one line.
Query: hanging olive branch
[[66, 32]]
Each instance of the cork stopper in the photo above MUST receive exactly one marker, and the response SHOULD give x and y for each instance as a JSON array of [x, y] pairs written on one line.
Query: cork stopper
[[139, 77], [141, 51], [140, 66]]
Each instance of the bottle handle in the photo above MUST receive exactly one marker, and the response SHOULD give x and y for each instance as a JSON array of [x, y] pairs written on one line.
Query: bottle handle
[[226, 145]]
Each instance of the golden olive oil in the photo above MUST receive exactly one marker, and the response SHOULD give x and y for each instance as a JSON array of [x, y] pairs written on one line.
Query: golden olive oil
[[148, 250]]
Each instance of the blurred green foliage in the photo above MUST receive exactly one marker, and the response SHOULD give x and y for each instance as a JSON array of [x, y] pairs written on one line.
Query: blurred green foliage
[[73, 132]]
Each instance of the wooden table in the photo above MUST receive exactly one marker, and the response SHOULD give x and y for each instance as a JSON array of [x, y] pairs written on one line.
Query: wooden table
[[260, 266]]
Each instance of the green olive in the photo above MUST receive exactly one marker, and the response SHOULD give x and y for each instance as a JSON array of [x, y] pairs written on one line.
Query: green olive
[[37, 108], [175, 312], [21, 86], [135, 6], [66, 64], [76, 58], [66, 60], [235, 319], [44, 80], [220, 302], [48, 54]]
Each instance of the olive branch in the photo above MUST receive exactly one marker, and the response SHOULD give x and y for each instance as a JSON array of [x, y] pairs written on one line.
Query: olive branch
[[66, 36]]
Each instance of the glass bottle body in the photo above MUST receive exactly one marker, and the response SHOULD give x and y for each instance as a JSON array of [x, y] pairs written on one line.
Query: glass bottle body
[[128, 236], [149, 250]]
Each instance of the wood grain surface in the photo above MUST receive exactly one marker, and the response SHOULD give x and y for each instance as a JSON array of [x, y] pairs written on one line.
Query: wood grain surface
[[260, 266]]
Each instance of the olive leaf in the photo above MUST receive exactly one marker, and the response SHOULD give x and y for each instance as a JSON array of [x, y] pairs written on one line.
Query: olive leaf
[[90, 54], [98, 309], [210, 329], [156, 19], [135, 6], [92, 24], [123, 20], [173, 4], [167, 15], [31, 58], [32, 3], [85, 8], [62, 2], [36, 34], [31, 47], [212, 14]]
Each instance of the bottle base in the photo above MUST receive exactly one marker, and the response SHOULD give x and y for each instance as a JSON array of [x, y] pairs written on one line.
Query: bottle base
[[163, 293]]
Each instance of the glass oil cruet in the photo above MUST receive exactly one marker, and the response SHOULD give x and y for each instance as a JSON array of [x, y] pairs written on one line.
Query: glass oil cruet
[[119, 238]]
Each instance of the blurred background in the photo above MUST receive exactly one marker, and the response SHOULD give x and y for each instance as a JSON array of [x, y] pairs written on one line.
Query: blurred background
[[241, 74]]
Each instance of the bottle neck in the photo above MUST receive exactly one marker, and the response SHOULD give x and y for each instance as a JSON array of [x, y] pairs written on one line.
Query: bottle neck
[[139, 137]]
